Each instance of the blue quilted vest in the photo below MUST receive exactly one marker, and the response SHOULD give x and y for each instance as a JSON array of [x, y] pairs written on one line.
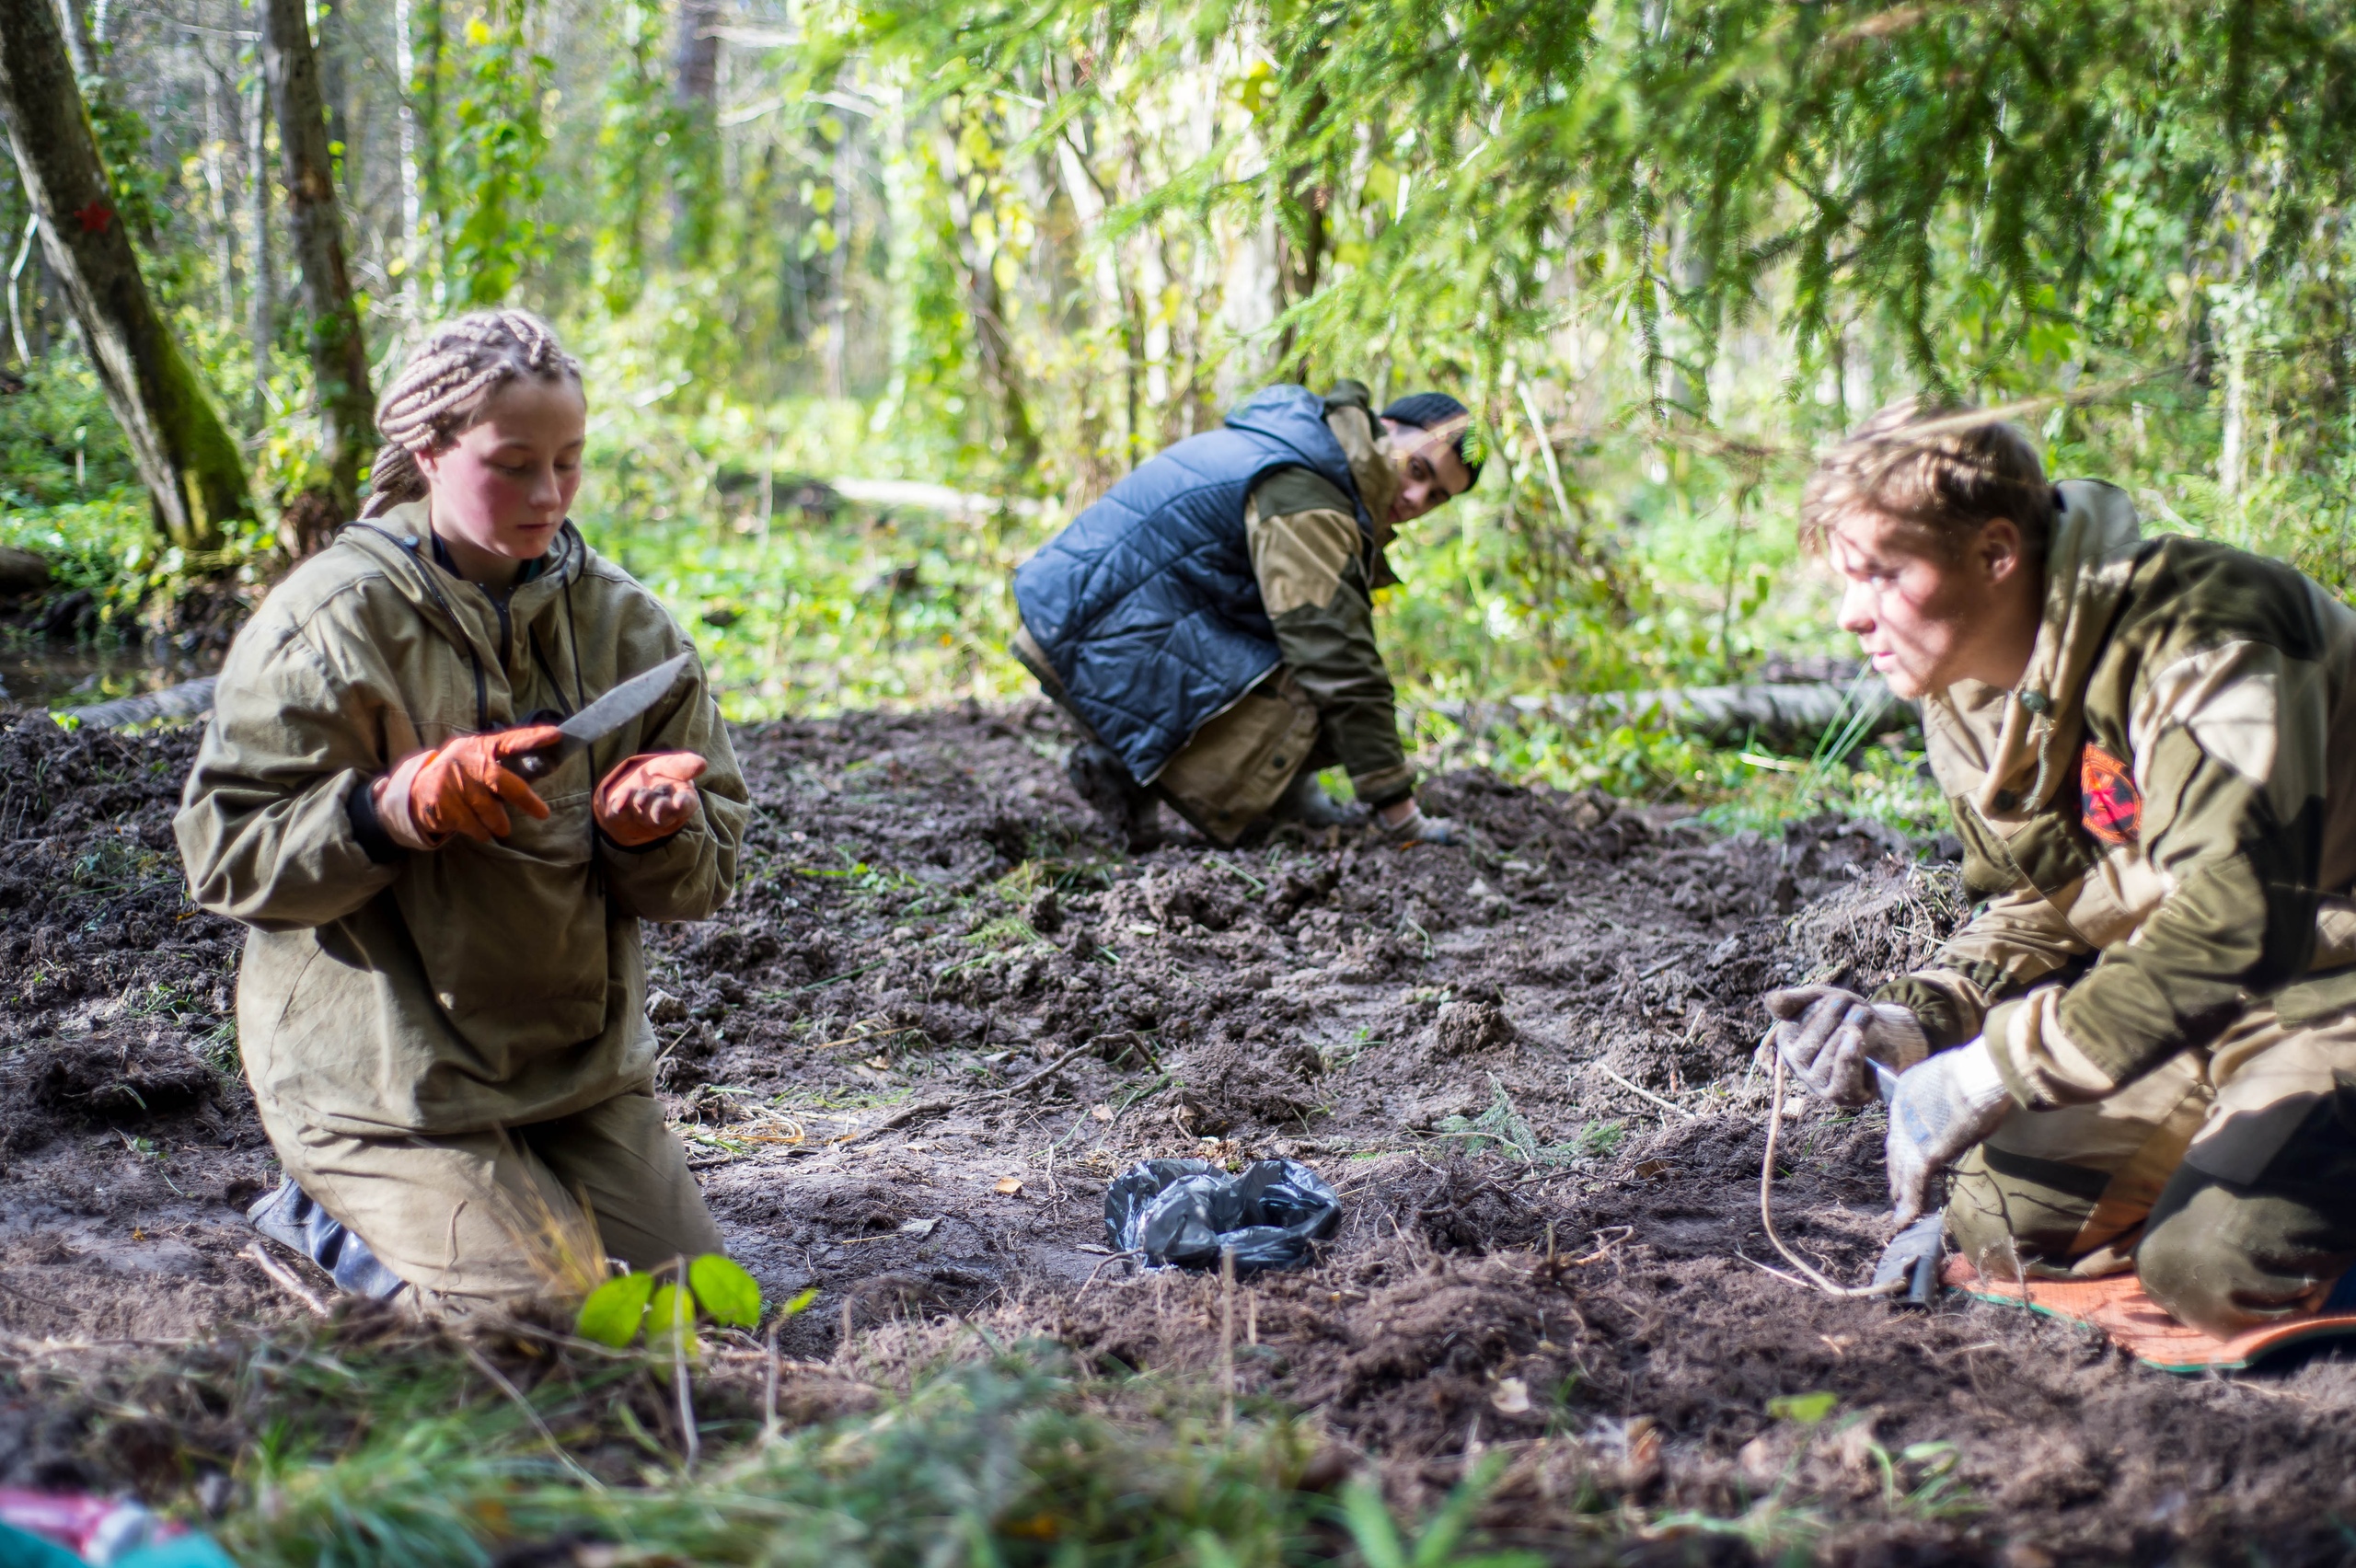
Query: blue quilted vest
[[1147, 604]]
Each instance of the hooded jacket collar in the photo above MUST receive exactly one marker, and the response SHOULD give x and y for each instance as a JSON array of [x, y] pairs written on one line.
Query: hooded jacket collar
[[497, 636], [465, 612], [2010, 752]]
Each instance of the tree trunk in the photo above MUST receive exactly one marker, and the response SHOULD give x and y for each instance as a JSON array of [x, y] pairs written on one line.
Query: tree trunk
[[261, 299], [416, 23], [335, 91], [220, 114], [1779, 713], [405, 68], [338, 355], [25, 355], [985, 306], [1301, 234], [433, 246], [694, 60], [695, 104], [194, 475]]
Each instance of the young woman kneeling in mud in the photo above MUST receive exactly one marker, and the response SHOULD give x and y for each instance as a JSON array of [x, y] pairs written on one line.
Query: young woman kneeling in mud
[[2140, 1052], [442, 1007]]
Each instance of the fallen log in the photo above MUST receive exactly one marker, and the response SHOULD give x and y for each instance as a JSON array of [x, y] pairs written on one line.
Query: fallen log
[[21, 572], [1776, 712], [190, 700]]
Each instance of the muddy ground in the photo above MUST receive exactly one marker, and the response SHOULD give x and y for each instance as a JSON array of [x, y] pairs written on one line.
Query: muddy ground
[[945, 1012]]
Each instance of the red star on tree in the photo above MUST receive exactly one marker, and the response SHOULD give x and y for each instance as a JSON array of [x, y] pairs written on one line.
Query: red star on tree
[[95, 217]]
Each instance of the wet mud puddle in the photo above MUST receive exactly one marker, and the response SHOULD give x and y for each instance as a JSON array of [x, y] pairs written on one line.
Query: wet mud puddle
[[45, 675]]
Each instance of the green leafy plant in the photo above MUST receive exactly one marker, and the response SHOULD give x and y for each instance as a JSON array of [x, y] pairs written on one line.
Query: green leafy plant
[[663, 1304], [1919, 1479], [1803, 1410]]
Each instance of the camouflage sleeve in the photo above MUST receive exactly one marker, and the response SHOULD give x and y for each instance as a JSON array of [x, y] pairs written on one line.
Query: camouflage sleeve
[[2016, 940], [1306, 553], [2229, 749]]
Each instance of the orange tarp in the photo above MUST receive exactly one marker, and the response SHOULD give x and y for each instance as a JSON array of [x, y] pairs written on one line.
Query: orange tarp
[[2116, 1306]]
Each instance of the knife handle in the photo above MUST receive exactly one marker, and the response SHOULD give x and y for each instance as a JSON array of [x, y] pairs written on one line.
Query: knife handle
[[531, 766]]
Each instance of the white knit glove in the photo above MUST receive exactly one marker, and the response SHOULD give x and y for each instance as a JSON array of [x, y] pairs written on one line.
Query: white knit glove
[[1417, 828], [1939, 1110], [1826, 1036]]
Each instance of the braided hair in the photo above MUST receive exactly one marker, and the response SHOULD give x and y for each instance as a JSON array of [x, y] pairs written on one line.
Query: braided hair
[[445, 388]]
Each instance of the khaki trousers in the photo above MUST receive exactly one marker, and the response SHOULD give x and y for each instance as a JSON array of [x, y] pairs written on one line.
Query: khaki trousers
[[1237, 765], [2226, 1178], [488, 1217]]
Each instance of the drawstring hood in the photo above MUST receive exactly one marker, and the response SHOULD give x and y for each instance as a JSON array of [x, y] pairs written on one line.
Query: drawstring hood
[[478, 623]]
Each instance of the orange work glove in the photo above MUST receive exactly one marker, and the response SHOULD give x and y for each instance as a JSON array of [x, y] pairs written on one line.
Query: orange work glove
[[648, 797], [461, 786]]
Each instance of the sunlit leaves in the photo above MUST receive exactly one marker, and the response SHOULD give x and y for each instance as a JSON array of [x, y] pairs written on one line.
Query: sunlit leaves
[[724, 1289], [666, 1308], [612, 1314]]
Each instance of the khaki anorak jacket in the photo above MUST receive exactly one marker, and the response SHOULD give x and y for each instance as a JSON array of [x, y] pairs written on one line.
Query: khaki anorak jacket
[[2161, 813], [470, 987]]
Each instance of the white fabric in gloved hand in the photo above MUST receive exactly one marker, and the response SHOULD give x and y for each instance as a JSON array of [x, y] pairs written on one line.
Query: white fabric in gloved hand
[[1826, 1034], [1417, 828], [1939, 1110]]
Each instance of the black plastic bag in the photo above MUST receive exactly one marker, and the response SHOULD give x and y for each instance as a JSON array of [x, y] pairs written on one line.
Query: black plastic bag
[[1187, 1211]]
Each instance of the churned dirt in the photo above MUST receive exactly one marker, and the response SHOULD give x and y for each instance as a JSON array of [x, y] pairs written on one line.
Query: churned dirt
[[945, 1012]]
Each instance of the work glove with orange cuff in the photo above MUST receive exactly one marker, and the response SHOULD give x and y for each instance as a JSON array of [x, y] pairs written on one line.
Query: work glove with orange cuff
[[463, 787], [647, 798]]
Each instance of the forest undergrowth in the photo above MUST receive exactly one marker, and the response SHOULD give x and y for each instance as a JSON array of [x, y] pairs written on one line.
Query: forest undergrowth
[[806, 600]]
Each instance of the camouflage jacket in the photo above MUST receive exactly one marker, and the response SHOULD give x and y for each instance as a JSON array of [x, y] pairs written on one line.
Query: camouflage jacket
[[2161, 816], [1318, 571]]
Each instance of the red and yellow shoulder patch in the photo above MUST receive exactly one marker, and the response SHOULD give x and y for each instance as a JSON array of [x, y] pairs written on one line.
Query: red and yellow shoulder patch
[[2110, 809]]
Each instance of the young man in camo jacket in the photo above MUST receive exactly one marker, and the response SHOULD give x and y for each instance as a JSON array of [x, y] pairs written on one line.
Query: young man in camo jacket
[[2140, 1051]]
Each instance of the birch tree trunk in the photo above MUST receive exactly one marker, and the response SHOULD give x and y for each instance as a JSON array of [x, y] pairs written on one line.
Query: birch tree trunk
[[405, 67], [195, 477], [262, 296], [75, 23], [338, 355]]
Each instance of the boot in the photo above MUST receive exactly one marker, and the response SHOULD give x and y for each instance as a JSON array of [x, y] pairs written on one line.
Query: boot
[[1306, 803], [291, 1217], [1131, 810]]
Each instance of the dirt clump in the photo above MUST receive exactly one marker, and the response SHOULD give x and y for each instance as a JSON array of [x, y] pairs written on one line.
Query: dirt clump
[[1465, 1027]]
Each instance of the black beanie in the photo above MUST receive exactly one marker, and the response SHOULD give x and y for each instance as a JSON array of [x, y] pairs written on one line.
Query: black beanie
[[1424, 409]]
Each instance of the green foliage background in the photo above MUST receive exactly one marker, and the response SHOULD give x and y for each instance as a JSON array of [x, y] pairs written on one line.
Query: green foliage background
[[1007, 249]]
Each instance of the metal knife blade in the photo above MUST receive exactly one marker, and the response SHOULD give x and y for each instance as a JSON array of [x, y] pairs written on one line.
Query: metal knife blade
[[603, 717]]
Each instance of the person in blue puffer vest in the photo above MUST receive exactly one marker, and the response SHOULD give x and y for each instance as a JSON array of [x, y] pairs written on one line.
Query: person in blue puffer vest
[[1209, 622]]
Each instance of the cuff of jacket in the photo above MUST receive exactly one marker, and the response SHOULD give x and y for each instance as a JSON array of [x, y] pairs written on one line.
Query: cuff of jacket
[[391, 796], [1386, 788], [695, 819], [1946, 1003], [368, 828], [618, 848], [2041, 1065]]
